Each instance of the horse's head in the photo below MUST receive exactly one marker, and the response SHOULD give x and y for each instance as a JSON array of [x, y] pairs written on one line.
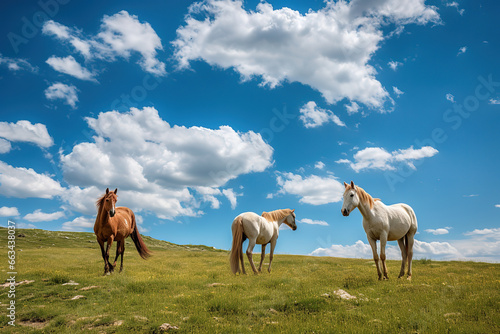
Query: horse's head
[[109, 201], [290, 220], [351, 199]]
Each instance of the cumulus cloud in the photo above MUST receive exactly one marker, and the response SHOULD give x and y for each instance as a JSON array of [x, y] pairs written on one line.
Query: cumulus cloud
[[328, 50], [23, 182], [313, 116], [68, 65], [24, 131], [319, 165], [39, 216], [352, 108], [397, 91], [450, 98], [231, 196], [8, 211], [313, 222], [462, 50], [79, 224], [494, 101], [17, 64], [439, 231], [421, 249], [479, 245], [394, 65], [455, 4], [312, 189], [379, 158], [160, 167], [60, 91], [120, 35]]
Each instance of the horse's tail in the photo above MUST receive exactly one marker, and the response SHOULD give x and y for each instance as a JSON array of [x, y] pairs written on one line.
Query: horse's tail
[[236, 248], [141, 247]]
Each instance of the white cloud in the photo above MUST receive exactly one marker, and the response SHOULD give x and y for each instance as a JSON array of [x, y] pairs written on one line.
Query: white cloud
[[480, 245], [5, 146], [313, 222], [328, 50], [439, 231], [24, 225], [313, 116], [455, 4], [8, 211], [120, 35], [394, 65], [17, 64], [23, 182], [352, 108], [313, 189], [39, 216], [60, 91], [231, 197], [68, 65], [160, 166], [497, 205], [494, 101], [319, 165], [79, 224], [421, 249], [81, 199], [379, 158], [450, 98], [397, 91], [462, 50], [24, 131]]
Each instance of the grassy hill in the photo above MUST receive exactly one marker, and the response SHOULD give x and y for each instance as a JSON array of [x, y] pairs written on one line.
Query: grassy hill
[[191, 287]]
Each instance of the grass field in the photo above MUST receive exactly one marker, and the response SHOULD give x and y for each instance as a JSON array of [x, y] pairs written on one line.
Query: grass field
[[191, 287]]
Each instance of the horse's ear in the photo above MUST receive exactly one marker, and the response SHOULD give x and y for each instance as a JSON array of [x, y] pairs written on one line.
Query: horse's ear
[[293, 210], [107, 191], [352, 185], [345, 185], [116, 190]]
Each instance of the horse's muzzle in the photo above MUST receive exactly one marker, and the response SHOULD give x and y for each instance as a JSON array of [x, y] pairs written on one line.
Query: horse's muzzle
[[345, 212]]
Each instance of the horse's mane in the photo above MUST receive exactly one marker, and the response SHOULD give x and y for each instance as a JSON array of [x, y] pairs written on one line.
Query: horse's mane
[[100, 201], [364, 196], [276, 215]]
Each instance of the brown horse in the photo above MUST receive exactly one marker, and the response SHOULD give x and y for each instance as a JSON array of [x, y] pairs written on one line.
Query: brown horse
[[116, 224]]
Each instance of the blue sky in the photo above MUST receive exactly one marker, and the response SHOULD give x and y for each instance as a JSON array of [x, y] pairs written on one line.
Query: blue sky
[[198, 111]]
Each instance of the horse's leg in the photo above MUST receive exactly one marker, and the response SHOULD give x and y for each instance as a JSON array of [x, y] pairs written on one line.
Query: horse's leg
[[251, 245], [402, 246], [383, 242], [103, 253], [271, 254], [262, 255], [122, 251], [108, 247], [373, 244], [409, 251], [118, 246], [242, 263]]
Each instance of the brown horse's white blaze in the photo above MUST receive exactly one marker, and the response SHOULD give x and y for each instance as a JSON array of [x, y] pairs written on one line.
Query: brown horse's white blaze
[[116, 224], [385, 223], [260, 230]]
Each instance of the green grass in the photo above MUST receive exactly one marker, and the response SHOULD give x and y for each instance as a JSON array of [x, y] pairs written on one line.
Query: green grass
[[175, 286]]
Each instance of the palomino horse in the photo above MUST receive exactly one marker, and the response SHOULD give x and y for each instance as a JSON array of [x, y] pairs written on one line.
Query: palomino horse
[[384, 223], [116, 224], [259, 230]]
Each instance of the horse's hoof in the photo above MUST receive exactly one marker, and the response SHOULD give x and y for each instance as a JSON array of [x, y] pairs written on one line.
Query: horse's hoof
[[409, 278], [107, 273]]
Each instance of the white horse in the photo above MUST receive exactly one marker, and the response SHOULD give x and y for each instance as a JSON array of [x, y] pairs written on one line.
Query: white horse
[[384, 223], [260, 230]]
